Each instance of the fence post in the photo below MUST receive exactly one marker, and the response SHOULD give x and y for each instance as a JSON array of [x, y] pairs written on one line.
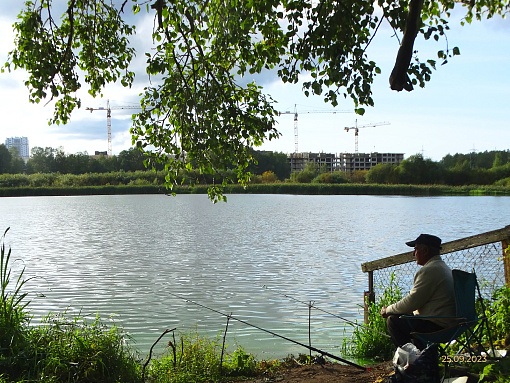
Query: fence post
[[506, 260], [369, 296]]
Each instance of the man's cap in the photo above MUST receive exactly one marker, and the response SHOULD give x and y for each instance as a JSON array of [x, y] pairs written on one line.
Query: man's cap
[[426, 239]]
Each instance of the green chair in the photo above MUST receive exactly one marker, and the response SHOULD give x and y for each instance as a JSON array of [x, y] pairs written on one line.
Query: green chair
[[469, 328], [467, 321]]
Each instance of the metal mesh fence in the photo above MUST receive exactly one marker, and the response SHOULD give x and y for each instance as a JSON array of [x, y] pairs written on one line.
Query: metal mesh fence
[[485, 260]]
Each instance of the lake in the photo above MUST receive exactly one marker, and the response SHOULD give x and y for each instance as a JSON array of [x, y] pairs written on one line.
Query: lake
[[133, 259]]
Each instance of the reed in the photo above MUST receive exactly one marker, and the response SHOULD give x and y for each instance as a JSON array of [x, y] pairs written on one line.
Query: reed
[[88, 351], [13, 317], [193, 358], [359, 189], [371, 340]]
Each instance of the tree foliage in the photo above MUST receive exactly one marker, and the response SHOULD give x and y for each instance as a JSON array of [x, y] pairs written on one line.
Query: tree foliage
[[383, 174], [485, 168], [5, 159], [198, 110], [276, 163], [418, 170], [10, 160]]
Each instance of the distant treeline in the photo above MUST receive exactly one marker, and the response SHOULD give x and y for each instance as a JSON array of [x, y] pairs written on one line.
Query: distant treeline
[[488, 168], [52, 168], [51, 160]]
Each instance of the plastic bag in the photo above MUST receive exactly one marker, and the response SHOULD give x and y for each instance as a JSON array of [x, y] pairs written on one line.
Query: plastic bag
[[406, 355], [414, 366]]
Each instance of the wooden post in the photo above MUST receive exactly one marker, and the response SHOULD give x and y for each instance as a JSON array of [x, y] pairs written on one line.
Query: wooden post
[[506, 260], [368, 296]]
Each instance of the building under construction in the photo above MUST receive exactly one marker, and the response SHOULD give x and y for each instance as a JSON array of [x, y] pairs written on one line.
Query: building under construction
[[346, 162]]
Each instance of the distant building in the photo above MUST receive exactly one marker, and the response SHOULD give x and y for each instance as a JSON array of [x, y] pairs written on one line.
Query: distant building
[[350, 162], [347, 162], [20, 143], [298, 161]]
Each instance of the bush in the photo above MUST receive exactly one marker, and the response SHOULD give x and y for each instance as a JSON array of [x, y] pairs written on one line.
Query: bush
[[371, 340], [268, 177], [14, 180], [499, 313], [505, 182], [304, 176], [331, 178]]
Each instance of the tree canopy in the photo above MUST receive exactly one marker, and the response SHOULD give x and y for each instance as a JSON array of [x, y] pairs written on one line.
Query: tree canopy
[[198, 111]]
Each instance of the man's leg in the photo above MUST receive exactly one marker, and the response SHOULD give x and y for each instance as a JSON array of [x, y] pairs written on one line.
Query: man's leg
[[400, 329]]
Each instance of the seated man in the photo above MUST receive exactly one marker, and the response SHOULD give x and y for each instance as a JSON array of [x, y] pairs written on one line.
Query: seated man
[[432, 294]]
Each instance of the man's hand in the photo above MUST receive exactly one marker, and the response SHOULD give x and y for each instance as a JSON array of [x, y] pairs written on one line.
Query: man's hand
[[384, 314]]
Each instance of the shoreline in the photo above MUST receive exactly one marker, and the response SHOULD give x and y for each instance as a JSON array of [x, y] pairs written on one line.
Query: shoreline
[[276, 188]]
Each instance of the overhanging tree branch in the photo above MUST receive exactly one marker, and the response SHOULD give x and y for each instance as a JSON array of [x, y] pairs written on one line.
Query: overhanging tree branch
[[399, 78]]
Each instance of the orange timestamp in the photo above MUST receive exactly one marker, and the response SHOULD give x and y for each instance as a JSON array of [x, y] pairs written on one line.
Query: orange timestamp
[[463, 358]]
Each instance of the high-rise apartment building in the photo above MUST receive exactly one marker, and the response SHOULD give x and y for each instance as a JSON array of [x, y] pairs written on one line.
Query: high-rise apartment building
[[347, 162], [20, 143]]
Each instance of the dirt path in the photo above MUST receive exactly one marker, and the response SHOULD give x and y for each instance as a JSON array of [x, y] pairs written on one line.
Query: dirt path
[[328, 373]]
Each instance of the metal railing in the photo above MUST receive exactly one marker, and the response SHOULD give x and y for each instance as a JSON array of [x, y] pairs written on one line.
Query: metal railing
[[484, 253]]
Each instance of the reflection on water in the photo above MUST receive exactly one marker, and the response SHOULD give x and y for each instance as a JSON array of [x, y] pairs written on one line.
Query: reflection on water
[[125, 257]]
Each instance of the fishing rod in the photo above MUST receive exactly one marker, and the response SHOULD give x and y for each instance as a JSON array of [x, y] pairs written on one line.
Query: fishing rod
[[312, 305], [309, 304], [311, 348]]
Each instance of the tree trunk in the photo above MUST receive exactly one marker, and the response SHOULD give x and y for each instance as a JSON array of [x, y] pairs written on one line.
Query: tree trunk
[[399, 79]]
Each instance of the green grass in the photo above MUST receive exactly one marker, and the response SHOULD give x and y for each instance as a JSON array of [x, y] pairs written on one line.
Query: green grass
[[63, 347], [197, 359], [145, 182], [13, 316], [370, 340]]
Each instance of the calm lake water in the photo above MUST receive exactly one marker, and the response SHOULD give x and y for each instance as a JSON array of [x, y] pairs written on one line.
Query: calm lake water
[[123, 257]]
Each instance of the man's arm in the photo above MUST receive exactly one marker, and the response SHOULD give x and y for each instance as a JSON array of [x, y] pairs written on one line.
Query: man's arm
[[419, 295]]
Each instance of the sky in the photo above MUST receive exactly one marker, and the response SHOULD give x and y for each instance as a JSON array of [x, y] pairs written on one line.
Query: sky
[[463, 109]]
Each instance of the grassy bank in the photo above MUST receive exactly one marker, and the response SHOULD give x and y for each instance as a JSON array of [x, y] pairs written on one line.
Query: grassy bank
[[275, 188], [149, 182], [81, 190], [362, 189]]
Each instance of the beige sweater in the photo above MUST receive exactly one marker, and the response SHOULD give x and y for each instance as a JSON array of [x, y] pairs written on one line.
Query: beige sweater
[[432, 293]]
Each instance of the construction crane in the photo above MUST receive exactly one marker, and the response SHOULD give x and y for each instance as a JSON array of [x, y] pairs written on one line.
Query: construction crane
[[109, 120], [295, 113], [295, 126], [356, 128]]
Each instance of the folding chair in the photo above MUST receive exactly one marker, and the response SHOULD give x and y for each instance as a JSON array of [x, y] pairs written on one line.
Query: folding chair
[[467, 323]]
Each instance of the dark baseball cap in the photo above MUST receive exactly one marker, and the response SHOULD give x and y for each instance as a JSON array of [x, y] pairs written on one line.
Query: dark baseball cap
[[426, 239]]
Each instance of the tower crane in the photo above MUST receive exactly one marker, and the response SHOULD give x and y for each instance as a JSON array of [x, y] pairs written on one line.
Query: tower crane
[[295, 113], [109, 120], [356, 128], [295, 126]]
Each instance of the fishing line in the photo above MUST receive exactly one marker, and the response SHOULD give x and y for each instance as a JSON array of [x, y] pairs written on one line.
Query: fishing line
[[312, 305], [324, 353], [309, 304]]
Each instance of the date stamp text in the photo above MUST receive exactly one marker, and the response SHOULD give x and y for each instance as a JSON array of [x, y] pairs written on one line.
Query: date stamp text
[[463, 358]]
